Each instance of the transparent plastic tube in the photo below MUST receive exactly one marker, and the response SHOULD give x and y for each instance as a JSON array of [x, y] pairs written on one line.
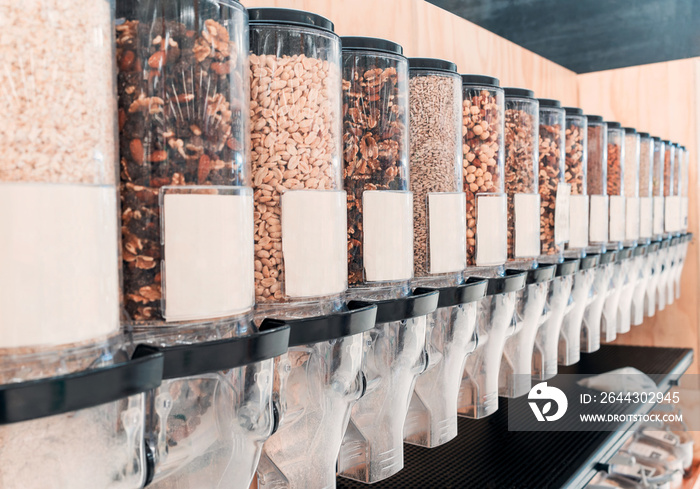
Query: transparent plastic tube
[[610, 320], [657, 187], [597, 169], [515, 378], [655, 263], [432, 414], [632, 269], [576, 168], [615, 183], [478, 395], [544, 358], [640, 291], [592, 318], [582, 295], [631, 186]]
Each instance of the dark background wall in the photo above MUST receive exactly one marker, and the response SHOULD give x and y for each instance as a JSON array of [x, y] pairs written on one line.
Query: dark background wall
[[591, 35]]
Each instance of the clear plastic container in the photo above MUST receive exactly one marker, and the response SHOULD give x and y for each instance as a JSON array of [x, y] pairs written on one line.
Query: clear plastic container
[[597, 178], [375, 170], [676, 188], [318, 380], [207, 422], [631, 185], [592, 317], [451, 336], [478, 394], [665, 266], [521, 150], [657, 186], [54, 436], [640, 289], [583, 294], [685, 178], [58, 174], [670, 202], [439, 237], [576, 168], [545, 353], [654, 256], [616, 182], [296, 133], [646, 182], [483, 125], [184, 148], [515, 377], [394, 356], [632, 270], [554, 192]]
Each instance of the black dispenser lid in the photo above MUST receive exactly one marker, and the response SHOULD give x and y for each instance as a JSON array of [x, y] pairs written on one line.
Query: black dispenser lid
[[623, 254], [639, 250], [359, 317], [287, 16], [421, 302], [549, 102], [432, 64], [573, 111], [24, 401], [519, 92], [472, 290], [481, 80], [213, 356], [614, 125], [594, 118], [358, 43], [512, 281], [543, 273]]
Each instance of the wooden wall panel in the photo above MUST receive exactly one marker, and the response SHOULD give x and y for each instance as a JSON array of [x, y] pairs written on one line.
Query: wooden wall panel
[[426, 30], [662, 99]]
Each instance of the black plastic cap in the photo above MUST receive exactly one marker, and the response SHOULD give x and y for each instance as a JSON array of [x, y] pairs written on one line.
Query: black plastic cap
[[630, 130], [357, 43], [665, 243], [667, 142], [24, 401], [568, 267], [432, 64], [543, 273], [549, 102], [481, 80], [519, 92], [470, 291], [656, 139], [214, 356], [614, 125], [675, 241], [644, 135], [573, 111], [588, 262], [513, 281], [287, 16], [653, 247], [594, 118], [358, 318], [421, 302]]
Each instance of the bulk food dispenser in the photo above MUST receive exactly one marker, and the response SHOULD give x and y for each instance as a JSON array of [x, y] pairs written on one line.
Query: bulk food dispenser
[[188, 233], [555, 194], [646, 224], [380, 248], [616, 230], [372, 449], [521, 186], [671, 219], [63, 363], [597, 172], [300, 235], [631, 268], [482, 174], [685, 237], [575, 165]]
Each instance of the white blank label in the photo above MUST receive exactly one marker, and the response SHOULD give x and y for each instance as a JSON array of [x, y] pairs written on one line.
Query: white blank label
[[578, 221], [491, 230], [672, 214], [527, 225], [447, 215], [645, 217], [387, 243], [208, 255], [314, 242], [599, 219], [617, 218], [561, 213], [659, 209], [59, 280], [632, 218]]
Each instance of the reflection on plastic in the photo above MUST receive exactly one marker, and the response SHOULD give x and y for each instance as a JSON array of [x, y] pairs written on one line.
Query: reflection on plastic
[[544, 358], [592, 317], [582, 295]]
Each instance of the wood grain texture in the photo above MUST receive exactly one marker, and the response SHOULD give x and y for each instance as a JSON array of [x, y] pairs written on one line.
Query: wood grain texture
[[426, 30], [662, 99]]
